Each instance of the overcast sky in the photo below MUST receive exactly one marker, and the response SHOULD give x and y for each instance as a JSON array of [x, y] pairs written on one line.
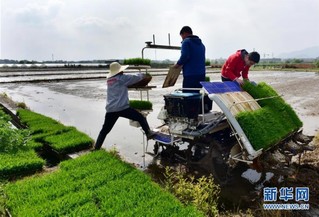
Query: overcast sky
[[106, 29]]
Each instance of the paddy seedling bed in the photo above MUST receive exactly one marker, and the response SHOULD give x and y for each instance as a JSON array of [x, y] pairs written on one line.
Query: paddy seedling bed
[[96, 184], [46, 142], [62, 139], [17, 156]]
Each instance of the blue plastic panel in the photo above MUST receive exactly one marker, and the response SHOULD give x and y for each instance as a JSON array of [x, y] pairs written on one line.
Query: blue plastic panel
[[221, 87], [182, 94], [163, 138]]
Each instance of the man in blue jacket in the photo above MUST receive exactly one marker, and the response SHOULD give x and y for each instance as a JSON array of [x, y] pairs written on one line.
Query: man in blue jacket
[[192, 59]]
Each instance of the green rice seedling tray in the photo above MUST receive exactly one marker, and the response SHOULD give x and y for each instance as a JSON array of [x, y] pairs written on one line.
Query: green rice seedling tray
[[272, 123]]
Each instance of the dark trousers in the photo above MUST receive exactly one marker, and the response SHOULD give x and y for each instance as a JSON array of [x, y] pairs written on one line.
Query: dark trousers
[[193, 81], [111, 118], [225, 79]]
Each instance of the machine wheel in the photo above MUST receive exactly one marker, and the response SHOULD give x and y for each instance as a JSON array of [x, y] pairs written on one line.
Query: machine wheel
[[156, 148], [209, 156], [220, 169]]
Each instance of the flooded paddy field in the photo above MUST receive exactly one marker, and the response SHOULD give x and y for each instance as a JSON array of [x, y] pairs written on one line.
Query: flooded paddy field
[[80, 102]]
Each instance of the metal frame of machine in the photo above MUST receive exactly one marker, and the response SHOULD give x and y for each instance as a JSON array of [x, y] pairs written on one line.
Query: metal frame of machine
[[215, 138]]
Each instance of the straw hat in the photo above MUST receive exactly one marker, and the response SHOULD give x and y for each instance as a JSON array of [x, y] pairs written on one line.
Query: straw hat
[[116, 68]]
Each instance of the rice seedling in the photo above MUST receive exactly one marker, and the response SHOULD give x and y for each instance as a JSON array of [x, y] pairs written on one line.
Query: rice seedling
[[62, 139], [38, 123], [270, 124], [16, 150], [20, 162], [141, 104], [137, 61], [203, 193], [69, 141], [97, 184]]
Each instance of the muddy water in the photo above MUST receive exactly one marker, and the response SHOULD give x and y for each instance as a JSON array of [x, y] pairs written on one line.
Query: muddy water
[[81, 104]]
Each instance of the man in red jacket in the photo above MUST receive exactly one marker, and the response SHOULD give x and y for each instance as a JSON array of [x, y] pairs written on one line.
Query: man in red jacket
[[238, 65]]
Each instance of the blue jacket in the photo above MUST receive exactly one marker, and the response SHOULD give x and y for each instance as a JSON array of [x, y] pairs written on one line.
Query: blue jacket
[[192, 56]]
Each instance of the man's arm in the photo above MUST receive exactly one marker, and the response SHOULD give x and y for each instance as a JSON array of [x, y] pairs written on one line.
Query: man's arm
[[229, 68], [185, 54], [132, 79], [245, 72]]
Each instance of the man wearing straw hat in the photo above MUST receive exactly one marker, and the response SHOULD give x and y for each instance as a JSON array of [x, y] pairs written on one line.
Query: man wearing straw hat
[[117, 102]]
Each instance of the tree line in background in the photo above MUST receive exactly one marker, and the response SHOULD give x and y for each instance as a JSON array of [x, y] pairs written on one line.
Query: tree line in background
[[214, 63]]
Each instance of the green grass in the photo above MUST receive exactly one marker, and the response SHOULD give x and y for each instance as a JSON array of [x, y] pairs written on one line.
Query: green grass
[[272, 123], [97, 184]]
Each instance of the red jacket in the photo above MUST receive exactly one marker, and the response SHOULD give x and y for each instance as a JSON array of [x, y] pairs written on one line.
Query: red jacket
[[235, 67]]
